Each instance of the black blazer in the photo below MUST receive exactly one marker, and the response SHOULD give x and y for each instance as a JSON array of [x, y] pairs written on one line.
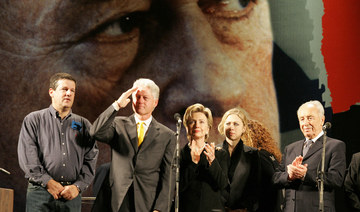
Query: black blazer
[[201, 184], [244, 173], [352, 183], [147, 168], [271, 198]]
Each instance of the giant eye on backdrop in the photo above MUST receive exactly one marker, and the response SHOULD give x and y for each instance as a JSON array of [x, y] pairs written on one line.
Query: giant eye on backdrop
[[235, 4], [231, 20], [227, 8], [121, 29], [244, 3]]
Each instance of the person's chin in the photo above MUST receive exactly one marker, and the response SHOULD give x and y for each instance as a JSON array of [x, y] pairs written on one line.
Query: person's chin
[[67, 105], [142, 112], [309, 135]]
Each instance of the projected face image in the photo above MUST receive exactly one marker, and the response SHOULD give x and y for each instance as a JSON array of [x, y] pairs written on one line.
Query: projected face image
[[217, 53]]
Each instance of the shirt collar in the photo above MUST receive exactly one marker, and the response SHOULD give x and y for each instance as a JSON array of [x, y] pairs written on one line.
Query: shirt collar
[[55, 114], [147, 121], [316, 138]]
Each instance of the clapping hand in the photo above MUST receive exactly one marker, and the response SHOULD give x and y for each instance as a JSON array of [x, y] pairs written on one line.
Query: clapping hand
[[296, 169], [195, 152], [210, 152]]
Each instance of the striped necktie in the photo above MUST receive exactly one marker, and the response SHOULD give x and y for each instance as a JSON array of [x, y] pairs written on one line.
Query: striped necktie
[[307, 146]]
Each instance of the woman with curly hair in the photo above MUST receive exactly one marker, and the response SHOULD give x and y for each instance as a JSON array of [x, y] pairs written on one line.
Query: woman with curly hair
[[270, 156]]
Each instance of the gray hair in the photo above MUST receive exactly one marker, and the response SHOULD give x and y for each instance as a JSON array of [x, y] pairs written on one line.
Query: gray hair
[[317, 104], [148, 83]]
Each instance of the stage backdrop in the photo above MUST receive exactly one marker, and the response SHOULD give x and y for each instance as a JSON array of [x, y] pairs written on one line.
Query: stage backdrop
[[265, 56]]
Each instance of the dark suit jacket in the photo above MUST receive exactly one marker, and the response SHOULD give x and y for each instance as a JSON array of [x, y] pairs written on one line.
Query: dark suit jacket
[[244, 173], [304, 195], [352, 183], [147, 168], [201, 184]]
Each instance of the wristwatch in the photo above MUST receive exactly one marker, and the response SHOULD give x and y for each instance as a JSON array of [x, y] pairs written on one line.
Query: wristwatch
[[78, 188]]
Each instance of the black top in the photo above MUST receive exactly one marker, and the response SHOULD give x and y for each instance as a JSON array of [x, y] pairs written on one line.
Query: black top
[[201, 184], [270, 196], [244, 177]]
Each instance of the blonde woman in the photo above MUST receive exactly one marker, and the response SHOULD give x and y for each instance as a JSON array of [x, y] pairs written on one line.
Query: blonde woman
[[239, 130], [202, 174], [242, 193]]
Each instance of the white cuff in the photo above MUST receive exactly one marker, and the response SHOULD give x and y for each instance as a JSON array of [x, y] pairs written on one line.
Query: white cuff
[[116, 106]]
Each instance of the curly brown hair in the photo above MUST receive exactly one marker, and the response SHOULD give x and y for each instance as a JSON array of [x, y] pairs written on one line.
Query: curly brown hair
[[261, 139]]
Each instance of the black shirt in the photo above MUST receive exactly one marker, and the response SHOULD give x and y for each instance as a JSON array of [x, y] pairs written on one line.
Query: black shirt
[[51, 148]]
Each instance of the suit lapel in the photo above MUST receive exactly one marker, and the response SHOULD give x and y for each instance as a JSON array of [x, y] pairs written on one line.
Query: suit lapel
[[150, 135], [130, 127], [242, 168], [241, 175], [298, 148], [315, 147]]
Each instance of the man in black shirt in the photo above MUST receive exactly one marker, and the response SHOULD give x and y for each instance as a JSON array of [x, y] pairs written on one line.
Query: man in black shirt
[[56, 152]]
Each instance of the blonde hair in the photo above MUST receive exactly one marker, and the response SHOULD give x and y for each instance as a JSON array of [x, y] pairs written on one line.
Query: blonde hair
[[242, 114], [197, 108], [255, 133]]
